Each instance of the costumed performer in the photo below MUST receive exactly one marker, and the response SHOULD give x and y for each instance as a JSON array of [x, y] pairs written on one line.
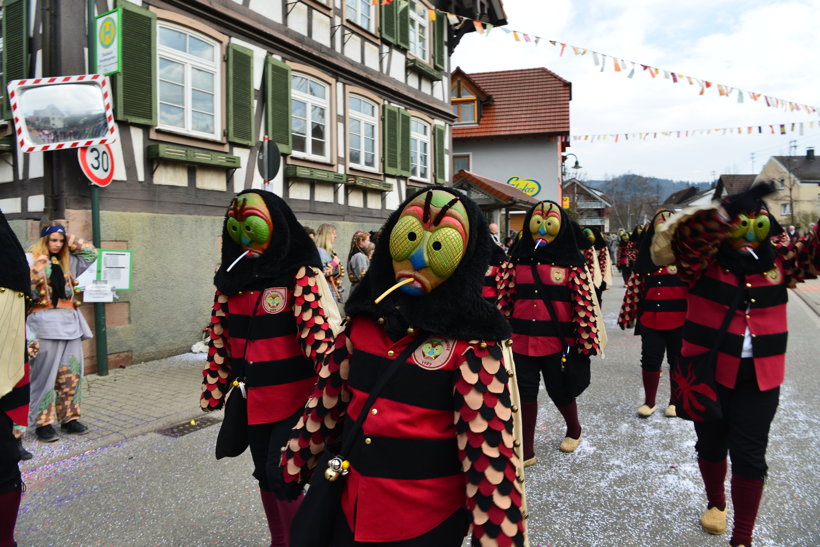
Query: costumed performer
[[270, 324], [737, 248], [655, 305], [436, 450]]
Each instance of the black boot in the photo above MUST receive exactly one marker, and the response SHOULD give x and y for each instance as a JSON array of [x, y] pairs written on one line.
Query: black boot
[[22, 453]]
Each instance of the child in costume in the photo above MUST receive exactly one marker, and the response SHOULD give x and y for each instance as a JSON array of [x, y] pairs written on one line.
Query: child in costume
[[14, 374], [436, 450], [655, 305], [269, 326], [736, 250], [548, 297], [56, 260]]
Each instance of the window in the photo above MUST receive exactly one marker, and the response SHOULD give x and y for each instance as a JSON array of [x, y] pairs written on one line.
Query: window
[[461, 161], [360, 12], [419, 150], [785, 209], [419, 30], [361, 133], [309, 117], [188, 82], [464, 103]]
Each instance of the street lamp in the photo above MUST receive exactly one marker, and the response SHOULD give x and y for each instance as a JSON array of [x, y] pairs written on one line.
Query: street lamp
[[564, 176], [564, 158]]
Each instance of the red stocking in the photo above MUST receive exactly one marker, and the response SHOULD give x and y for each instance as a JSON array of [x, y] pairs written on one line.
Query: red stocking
[[9, 505], [570, 414], [714, 475], [650, 386], [529, 415], [746, 494]]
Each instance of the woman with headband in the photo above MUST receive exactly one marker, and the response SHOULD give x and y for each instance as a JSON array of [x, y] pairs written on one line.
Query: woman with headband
[[56, 260]]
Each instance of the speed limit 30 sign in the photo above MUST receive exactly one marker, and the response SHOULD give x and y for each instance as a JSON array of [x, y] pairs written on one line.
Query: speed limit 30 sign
[[97, 162]]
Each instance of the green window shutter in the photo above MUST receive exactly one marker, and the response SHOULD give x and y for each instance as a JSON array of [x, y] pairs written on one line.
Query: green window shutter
[[390, 144], [240, 95], [388, 20], [439, 45], [277, 104], [404, 143], [403, 24], [439, 133], [15, 47], [135, 87]]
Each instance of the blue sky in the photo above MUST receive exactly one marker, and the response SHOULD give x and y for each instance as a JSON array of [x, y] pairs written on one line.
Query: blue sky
[[770, 47]]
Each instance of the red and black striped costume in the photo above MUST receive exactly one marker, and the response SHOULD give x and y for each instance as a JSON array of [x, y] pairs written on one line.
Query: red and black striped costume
[[277, 358], [438, 439], [656, 300]]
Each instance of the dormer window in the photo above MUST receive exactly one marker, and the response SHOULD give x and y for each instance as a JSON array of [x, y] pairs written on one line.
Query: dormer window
[[465, 104]]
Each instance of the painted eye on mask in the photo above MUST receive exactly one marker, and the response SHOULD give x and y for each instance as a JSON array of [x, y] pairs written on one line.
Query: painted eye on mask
[[405, 238], [255, 229], [762, 227], [551, 225], [741, 227], [445, 248]]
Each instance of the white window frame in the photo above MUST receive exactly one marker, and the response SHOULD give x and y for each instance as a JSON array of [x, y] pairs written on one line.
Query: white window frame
[[785, 209], [360, 119], [361, 13], [420, 148], [311, 102], [419, 31], [189, 63]]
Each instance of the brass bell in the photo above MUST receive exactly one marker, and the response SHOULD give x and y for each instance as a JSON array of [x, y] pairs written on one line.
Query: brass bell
[[77, 303], [41, 292], [411, 330], [380, 320], [332, 475], [75, 282], [483, 345]]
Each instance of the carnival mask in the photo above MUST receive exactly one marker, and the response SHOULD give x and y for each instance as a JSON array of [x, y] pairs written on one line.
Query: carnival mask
[[249, 224], [661, 217], [748, 231], [590, 235], [428, 241], [545, 223]]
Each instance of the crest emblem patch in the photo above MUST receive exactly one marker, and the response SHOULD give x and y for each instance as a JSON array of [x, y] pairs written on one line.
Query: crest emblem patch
[[558, 275], [275, 299], [434, 353], [774, 276], [672, 269]]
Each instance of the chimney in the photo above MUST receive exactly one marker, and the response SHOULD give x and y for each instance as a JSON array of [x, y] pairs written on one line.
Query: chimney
[[810, 154]]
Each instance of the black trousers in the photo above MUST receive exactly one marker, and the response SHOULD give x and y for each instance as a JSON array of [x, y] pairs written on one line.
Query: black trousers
[[653, 345], [451, 532], [9, 456], [561, 387], [743, 432], [266, 442]]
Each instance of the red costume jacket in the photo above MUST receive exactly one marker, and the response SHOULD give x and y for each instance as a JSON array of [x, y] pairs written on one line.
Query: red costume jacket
[[656, 299], [424, 450], [763, 305]]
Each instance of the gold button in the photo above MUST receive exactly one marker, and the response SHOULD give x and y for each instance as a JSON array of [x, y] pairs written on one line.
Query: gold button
[[510, 373], [514, 408], [250, 362], [536, 291], [374, 412], [748, 284], [516, 443], [508, 342], [410, 330], [380, 321], [748, 316], [368, 440], [483, 345], [754, 336], [752, 300], [390, 353]]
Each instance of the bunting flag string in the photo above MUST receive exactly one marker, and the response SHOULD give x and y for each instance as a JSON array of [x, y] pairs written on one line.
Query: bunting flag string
[[620, 65], [769, 129]]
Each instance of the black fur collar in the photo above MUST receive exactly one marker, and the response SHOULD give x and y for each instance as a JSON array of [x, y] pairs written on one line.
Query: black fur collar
[[563, 251]]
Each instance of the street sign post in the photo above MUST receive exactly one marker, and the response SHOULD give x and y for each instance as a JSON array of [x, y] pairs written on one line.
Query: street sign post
[[269, 160], [108, 42], [97, 162]]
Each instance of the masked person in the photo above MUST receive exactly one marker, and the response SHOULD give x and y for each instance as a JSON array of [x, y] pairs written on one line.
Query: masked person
[[737, 252], [56, 260], [271, 322], [594, 235], [655, 305], [435, 452], [624, 253], [14, 374], [548, 296]]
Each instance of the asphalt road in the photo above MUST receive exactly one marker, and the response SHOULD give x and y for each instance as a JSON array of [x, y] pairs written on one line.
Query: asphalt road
[[631, 482]]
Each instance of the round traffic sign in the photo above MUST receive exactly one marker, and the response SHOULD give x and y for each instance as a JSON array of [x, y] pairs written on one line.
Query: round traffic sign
[[97, 162]]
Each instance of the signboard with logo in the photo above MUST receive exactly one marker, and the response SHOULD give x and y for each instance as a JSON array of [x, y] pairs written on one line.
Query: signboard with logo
[[109, 44], [531, 187]]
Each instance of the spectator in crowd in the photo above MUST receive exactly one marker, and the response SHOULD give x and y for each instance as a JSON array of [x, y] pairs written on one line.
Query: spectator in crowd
[[310, 232], [56, 260], [493, 227], [357, 259], [792, 232], [331, 264]]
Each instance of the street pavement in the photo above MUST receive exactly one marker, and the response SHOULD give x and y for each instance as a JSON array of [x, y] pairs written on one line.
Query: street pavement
[[145, 474]]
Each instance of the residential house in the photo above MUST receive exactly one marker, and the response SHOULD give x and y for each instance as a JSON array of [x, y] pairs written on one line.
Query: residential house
[[494, 197], [728, 185], [512, 127], [354, 95], [590, 206], [797, 179]]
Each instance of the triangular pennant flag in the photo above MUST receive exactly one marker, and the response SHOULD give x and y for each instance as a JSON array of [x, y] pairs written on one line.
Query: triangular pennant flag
[[489, 27], [740, 96], [603, 62], [515, 35], [431, 14], [595, 58], [616, 64], [452, 18], [478, 26], [674, 77], [563, 47], [632, 72]]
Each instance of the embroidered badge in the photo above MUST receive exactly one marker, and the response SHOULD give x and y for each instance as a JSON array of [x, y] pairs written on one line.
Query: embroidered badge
[[672, 269], [434, 353], [558, 275], [275, 299]]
